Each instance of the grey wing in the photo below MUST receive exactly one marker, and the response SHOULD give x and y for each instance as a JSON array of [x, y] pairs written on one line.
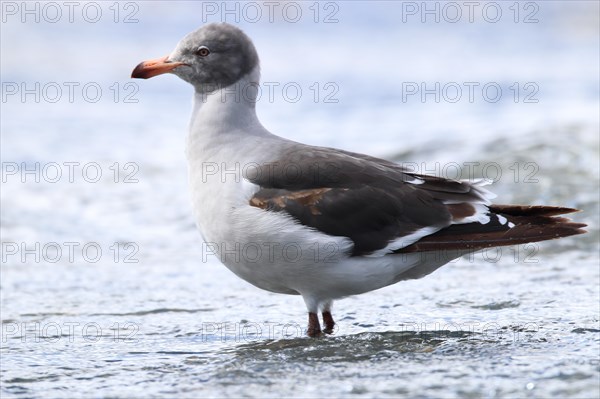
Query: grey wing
[[380, 206]]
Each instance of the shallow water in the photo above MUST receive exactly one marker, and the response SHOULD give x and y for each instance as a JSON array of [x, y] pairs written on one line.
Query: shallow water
[[153, 314]]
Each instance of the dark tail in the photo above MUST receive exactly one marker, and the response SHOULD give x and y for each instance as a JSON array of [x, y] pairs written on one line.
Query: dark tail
[[509, 225]]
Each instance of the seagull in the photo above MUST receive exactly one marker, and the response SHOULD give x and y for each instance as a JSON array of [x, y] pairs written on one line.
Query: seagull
[[320, 222]]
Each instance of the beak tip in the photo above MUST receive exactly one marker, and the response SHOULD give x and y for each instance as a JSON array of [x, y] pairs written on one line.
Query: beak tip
[[138, 72]]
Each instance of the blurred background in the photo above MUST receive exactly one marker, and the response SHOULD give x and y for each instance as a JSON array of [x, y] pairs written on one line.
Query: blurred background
[[93, 161]]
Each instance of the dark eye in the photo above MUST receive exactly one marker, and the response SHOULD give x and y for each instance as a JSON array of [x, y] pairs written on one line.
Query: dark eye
[[203, 51]]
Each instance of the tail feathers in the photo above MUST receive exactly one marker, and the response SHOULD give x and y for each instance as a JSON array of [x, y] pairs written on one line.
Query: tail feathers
[[508, 225], [531, 210]]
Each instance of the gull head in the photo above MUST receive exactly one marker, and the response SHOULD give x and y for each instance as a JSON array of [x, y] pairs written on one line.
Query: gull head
[[215, 56]]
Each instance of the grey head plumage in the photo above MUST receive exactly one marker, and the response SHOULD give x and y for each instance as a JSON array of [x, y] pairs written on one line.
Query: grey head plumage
[[215, 56]]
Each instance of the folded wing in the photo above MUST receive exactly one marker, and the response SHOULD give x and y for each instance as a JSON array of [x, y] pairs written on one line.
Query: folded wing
[[384, 208]]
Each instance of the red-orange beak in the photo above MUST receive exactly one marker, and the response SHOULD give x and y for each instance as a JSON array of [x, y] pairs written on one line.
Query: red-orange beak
[[150, 68]]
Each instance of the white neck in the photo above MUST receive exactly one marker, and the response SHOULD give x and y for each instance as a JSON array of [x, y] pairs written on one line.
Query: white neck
[[224, 124], [226, 110]]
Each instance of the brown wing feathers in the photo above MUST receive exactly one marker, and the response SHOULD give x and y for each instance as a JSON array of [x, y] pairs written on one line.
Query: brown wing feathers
[[529, 224], [371, 217], [374, 202]]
